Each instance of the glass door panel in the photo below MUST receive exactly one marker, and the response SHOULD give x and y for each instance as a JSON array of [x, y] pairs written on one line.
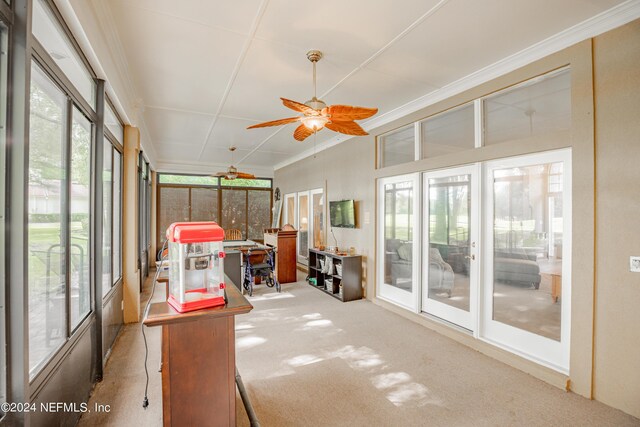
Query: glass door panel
[[303, 226], [398, 229], [317, 225], [527, 303], [449, 263]]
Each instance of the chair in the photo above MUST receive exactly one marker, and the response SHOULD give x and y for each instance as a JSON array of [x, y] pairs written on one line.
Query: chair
[[233, 234]]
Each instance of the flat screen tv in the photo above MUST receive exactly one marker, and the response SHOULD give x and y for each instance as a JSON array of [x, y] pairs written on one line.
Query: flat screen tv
[[342, 213]]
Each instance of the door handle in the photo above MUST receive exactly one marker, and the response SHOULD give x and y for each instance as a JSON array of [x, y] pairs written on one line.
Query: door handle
[[472, 257]]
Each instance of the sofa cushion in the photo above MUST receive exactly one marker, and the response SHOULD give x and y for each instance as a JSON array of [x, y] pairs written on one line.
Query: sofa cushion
[[405, 251]]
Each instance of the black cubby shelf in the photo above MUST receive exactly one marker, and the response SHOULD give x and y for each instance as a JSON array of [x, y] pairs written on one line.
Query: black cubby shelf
[[350, 280]]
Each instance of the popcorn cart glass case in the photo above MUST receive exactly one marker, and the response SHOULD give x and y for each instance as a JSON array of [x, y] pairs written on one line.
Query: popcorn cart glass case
[[196, 265]]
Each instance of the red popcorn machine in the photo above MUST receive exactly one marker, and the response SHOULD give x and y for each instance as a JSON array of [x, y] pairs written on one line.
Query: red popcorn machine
[[196, 265]]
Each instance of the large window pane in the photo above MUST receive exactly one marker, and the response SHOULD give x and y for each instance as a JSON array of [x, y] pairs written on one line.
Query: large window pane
[[527, 264], [204, 204], [449, 132], [46, 263], [398, 147], [53, 38], [174, 207], [398, 233], [79, 257], [112, 123], [117, 215], [234, 211], [259, 213], [540, 106], [107, 217]]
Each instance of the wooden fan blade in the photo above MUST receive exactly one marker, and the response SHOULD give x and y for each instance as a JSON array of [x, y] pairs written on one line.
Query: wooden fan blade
[[296, 106], [220, 174], [347, 127], [347, 112], [244, 175], [275, 123], [302, 132]]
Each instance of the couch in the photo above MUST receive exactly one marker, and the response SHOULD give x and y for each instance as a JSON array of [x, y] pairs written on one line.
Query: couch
[[398, 260], [516, 268]]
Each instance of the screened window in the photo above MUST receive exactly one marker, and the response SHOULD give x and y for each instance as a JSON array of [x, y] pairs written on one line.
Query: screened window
[[234, 210], [537, 107], [204, 204], [187, 179], [205, 198], [398, 147], [47, 228], [173, 207], [56, 42], [448, 132], [259, 213], [256, 183]]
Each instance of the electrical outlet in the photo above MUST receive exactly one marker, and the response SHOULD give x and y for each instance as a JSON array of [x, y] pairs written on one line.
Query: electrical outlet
[[634, 264]]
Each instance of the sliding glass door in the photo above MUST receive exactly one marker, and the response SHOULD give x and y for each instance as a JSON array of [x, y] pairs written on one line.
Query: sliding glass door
[[398, 240], [449, 262], [303, 226], [513, 289], [526, 303]]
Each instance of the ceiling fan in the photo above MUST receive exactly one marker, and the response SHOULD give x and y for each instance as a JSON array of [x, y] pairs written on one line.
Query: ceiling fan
[[317, 115], [232, 171]]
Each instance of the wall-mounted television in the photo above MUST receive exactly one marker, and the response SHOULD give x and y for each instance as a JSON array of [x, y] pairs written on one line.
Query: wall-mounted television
[[342, 213]]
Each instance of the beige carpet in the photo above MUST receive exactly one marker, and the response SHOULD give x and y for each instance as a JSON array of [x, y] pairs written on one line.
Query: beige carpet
[[310, 360]]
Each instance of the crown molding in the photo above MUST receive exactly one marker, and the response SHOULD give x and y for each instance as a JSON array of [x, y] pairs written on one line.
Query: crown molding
[[592, 27]]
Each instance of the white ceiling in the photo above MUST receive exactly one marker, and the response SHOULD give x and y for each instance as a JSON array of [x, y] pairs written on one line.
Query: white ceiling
[[205, 70]]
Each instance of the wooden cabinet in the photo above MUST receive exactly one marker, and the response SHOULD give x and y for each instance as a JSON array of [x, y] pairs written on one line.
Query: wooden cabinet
[[284, 240], [342, 279], [198, 361]]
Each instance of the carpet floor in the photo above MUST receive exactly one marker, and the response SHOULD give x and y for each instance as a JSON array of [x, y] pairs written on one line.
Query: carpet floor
[[307, 359]]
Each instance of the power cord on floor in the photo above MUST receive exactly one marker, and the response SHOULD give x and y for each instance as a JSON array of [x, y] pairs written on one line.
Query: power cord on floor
[[145, 401]]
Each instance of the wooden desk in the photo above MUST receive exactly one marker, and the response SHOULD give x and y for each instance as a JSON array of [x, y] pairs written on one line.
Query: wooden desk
[[198, 361], [285, 243]]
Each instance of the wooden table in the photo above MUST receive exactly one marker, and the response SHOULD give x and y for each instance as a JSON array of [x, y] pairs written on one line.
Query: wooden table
[[198, 361], [554, 272]]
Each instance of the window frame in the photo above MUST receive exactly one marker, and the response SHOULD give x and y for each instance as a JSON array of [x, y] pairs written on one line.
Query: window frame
[[39, 372], [220, 188]]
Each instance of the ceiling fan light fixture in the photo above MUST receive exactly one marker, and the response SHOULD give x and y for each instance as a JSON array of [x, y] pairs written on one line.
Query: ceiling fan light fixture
[[314, 123], [316, 104]]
